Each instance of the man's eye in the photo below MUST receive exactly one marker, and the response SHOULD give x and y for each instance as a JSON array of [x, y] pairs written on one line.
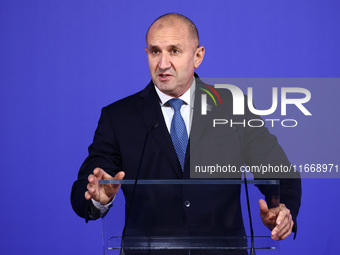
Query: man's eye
[[155, 52], [175, 51]]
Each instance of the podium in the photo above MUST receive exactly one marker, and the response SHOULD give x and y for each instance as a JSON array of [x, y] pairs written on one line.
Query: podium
[[173, 217]]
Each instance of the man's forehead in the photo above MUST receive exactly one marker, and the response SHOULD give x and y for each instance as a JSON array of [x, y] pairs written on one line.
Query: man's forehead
[[173, 26], [167, 35]]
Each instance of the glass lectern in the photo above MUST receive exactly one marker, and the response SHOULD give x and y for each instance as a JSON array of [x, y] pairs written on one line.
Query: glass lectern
[[173, 217]]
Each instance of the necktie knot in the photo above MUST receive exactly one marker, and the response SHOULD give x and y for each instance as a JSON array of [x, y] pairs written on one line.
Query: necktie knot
[[176, 104]]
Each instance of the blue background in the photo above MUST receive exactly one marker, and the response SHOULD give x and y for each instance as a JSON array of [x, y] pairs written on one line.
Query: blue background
[[61, 61]]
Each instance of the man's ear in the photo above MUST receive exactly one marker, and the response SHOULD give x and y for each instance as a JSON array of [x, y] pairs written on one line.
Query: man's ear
[[199, 55]]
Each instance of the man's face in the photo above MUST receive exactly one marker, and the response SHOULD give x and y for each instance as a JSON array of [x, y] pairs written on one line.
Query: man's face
[[173, 57]]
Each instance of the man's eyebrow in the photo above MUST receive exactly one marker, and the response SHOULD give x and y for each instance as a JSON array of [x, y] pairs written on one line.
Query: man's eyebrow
[[177, 45], [153, 46]]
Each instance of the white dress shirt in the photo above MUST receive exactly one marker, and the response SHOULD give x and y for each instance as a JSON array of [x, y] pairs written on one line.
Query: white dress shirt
[[186, 109]]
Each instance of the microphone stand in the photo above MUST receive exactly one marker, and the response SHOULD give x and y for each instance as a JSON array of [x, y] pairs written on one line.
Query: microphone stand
[[153, 126], [252, 248]]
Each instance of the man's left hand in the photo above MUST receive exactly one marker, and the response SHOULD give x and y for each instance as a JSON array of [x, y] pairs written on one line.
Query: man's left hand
[[278, 220]]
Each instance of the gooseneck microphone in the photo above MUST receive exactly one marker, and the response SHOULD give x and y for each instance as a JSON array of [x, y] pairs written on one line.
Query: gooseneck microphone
[[252, 248], [150, 128]]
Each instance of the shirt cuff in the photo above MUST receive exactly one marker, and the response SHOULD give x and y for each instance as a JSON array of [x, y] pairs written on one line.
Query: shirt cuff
[[102, 208]]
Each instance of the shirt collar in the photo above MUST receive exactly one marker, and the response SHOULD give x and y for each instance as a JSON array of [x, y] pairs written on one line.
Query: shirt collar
[[188, 97]]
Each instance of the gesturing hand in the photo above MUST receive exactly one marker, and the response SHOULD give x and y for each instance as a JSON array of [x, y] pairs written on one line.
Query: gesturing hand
[[277, 219], [107, 192]]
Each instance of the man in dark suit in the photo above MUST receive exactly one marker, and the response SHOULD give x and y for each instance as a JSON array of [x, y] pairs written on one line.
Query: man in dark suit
[[174, 53]]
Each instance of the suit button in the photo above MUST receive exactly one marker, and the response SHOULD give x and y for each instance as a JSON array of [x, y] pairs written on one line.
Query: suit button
[[187, 203]]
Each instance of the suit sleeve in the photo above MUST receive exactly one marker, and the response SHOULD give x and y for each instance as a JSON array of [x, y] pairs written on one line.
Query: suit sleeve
[[262, 148], [103, 153]]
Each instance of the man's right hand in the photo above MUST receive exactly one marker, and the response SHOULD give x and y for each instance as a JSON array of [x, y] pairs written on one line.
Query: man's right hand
[[107, 192]]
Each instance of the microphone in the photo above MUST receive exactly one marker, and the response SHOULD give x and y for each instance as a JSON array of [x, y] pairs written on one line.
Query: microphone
[[150, 128], [252, 248]]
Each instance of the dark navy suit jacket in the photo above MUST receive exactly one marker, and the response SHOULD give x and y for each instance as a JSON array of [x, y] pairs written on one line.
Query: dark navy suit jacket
[[118, 144]]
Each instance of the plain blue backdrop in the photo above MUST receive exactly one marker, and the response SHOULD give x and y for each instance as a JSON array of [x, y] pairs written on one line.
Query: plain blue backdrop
[[61, 61]]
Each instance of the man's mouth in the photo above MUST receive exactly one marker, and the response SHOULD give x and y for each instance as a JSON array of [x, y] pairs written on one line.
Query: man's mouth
[[164, 75]]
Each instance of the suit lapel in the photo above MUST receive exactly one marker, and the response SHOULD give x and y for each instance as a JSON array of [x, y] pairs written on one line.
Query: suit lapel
[[151, 113], [200, 123]]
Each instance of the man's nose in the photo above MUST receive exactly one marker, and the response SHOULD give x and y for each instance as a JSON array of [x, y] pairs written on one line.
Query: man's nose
[[164, 62]]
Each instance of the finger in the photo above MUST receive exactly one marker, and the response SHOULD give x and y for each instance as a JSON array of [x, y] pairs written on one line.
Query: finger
[[101, 174], [263, 206], [286, 234], [284, 212], [119, 176], [97, 171], [285, 226], [91, 188], [286, 231], [280, 229], [91, 178], [87, 195], [276, 216]]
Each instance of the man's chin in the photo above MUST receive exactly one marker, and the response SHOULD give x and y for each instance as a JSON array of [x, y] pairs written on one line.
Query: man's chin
[[168, 89]]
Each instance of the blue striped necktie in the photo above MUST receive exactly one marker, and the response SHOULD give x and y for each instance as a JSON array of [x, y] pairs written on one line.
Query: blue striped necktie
[[178, 131]]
